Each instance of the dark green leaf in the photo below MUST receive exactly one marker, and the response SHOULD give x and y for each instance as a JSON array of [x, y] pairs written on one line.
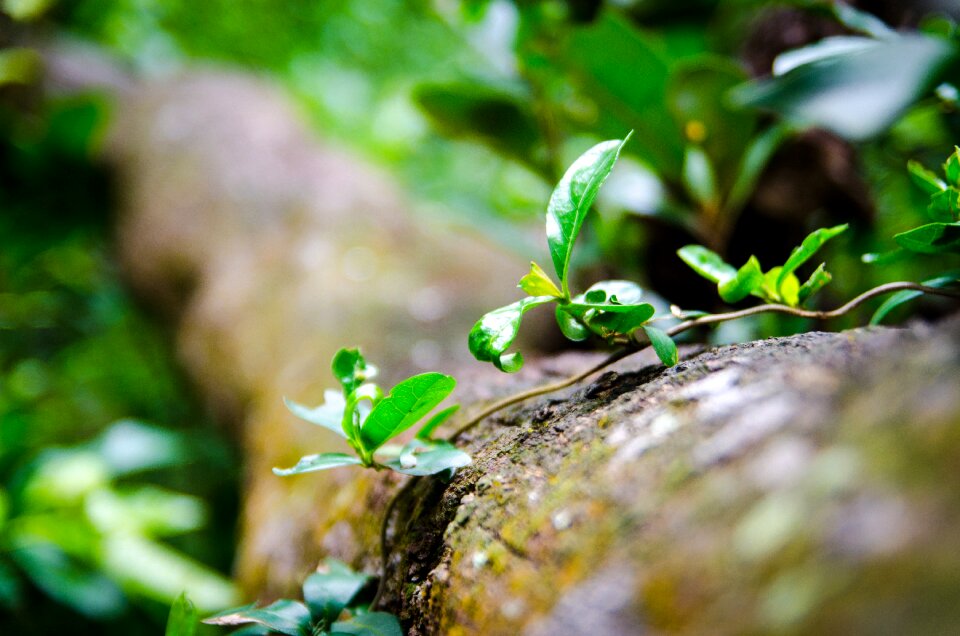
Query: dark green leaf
[[422, 457], [572, 198], [809, 247], [370, 624], [183, 617], [284, 616], [755, 159], [327, 593], [620, 319], [905, 296], [329, 415], [351, 369], [933, 238], [944, 205], [493, 334], [698, 176], [748, 280], [571, 326], [952, 167], [819, 279], [664, 345], [925, 179], [406, 405], [707, 263], [537, 283], [426, 431], [858, 94], [323, 461]]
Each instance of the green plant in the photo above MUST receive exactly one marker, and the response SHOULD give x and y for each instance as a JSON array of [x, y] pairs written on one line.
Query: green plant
[[326, 594], [778, 285], [183, 617], [367, 420], [610, 309]]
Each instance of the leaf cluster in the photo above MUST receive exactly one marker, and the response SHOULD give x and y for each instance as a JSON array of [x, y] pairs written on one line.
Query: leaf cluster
[[367, 419], [610, 309], [942, 235], [778, 285], [326, 594]]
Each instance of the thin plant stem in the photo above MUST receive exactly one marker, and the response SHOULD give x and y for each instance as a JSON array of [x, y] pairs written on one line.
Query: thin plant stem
[[384, 548]]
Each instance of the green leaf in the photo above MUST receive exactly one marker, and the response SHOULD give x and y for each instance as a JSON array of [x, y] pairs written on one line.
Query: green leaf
[[329, 415], [755, 159], [496, 331], [707, 263], [819, 279], [619, 319], [826, 48], [944, 205], [664, 345], [538, 283], [748, 280], [860, 21], [925, 179], [322, 461], [326, 593], [19, 65], [283, 616], [572, 198], [933, 238], [571, 326], [907, 295], [612, 292], [951, 167], [610, 307], [803, 253], [351, 369], [788, 292], [369, 624], [406, 405], [426, 431], [698, 177], [183, 617], [858, 94], [428, 457]]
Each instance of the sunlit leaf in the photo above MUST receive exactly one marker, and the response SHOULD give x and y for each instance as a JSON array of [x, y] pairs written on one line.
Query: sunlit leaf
[[428, 457], [369, 624], [933, 238], [819, 279], [800, 255], [284, 616], [538, 283], [944, 205], [326, 593], [663, 345], [707, 263], [493, 334], [747, 280], [826, 48], [571, 326], [925, 179], [951, 167], [329, 415], [183, 618], [426, 431], [572, 198], [322, 461], [406, 405], [351, 369]]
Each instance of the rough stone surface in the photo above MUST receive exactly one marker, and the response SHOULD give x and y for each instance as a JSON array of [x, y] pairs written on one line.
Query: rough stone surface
[[796, 485]]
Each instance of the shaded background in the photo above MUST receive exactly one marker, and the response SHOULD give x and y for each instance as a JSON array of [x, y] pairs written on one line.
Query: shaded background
[[117, 487]]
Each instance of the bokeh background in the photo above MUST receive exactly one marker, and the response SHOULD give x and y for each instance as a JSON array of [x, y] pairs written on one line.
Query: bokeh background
[[120, 485]]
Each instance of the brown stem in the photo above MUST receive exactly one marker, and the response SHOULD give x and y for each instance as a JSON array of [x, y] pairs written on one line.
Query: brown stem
[[634, 345]]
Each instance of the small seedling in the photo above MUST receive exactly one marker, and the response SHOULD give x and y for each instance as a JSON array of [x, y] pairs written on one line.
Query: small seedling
[[361, 414], [327, 594], [611, 309], [779, 285]]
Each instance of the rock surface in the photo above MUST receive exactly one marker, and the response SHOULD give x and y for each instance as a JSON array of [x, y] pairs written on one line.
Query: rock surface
[[808, 484]]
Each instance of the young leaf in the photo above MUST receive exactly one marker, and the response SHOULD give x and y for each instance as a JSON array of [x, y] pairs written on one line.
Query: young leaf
[[664, 345], [807, 249], [329, 415], [428, 457], [619, 319], [944, 205], [322, 461], [819, 279], [370, 624], [183, 617], [537, 283], [933, 238], [406, 404], [351, 369], [907, 295], [707, 263], [789, 291], [925, 179], [698, 176], [952, 167], [426, 431], [571, 326], [284, 616], [327, 593], [748, 280], [572, 198], [497, 330]]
